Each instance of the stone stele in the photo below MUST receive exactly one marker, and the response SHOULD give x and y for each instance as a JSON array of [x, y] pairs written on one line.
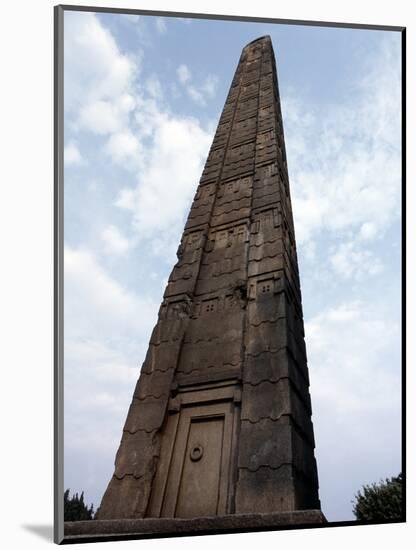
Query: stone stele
[[219, 434]]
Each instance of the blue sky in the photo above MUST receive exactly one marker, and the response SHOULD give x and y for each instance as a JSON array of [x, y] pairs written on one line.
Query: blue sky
[[142, 99]]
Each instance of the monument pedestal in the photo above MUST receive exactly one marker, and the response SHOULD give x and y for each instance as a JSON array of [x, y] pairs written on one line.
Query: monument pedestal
[[89, 531]]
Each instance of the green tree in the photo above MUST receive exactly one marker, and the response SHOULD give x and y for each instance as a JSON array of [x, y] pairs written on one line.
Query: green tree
[[75, 508], [380, 501]]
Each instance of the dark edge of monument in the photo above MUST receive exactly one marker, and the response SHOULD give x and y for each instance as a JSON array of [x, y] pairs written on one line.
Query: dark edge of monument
[[114, 528]]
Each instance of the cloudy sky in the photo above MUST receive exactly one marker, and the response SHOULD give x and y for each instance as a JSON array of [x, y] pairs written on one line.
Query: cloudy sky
[[142, 99]]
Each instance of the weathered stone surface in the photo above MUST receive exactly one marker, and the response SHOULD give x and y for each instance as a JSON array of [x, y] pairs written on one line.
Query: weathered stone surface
[[222, 266], [272, 442], [146, 414], [265, 199], [135, 453], [221, 415], [214, 324], [237, 204], [273, 400], [207, 355], [272, 336], [272, 366], [137, 528], [266, 400], [127, 497], [266, 489], [163, 351], [305, 464], [184, 271], [219, 373]]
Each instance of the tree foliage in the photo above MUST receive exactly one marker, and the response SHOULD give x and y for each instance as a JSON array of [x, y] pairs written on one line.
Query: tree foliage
[[380, 501], [75, 508]]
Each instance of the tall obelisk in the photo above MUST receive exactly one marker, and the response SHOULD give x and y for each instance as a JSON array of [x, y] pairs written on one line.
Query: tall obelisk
[[220, 421]]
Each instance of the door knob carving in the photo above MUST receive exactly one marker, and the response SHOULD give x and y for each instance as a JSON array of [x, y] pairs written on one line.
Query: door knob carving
[[196, 453]]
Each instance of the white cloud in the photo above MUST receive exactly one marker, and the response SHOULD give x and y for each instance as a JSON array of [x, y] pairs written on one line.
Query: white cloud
[[368, 231], [99, 85], [99, 117], [142, 136], [167, 182], [95, 302], [148, 115], [154, 87], [161, 25], [95, 69], [350, 261], [344, 162], [184, 74], [210, 85], [115, 241], [126, 199], [124, 146], [354, 365], [72, 156], [105, 117], [198, 93], [107, 328]]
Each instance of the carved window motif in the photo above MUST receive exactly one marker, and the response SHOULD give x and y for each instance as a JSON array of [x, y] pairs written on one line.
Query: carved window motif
[[270, 170], [241, 150], [221, 239], [265, 138], [178, 310], [245, 183], [265, 288], [209, 306], [266, 219], [231, 237], [193, 241], [204, 192], [216, 155], [241, 233], [239, 186], [247, 105], [255, 227]]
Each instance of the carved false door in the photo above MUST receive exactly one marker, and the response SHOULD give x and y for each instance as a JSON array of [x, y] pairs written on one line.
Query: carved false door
[[195, 468]]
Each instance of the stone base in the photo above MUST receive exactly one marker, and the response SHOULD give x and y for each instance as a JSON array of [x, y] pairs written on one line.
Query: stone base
[[95, 530]]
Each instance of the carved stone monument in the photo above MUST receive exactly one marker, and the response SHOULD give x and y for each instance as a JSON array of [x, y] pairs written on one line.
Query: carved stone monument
[[220, 421]]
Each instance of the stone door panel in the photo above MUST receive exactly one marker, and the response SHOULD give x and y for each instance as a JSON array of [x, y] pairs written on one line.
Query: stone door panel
[[200, 481], [194, 475]]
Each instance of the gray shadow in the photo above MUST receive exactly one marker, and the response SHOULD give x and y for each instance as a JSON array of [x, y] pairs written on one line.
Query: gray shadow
[[43, 531]]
